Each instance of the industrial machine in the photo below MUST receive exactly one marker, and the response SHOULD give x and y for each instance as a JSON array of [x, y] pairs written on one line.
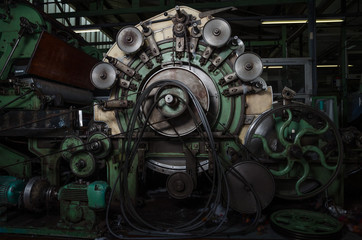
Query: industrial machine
[[183, 132]]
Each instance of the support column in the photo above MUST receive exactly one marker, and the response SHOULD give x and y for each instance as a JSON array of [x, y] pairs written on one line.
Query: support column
[[312, 43]]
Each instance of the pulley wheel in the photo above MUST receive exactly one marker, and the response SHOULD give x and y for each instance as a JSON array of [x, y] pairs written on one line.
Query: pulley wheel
[[34, 195], [130, 39], [242, 198], [216, 32], [248, 66], [103, 75], [99, 145], [82, 164], [175, 122], [179, 185], [304, 225], [300, 146], [70, 145]]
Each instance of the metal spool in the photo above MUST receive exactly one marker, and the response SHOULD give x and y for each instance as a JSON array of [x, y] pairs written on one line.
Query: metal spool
[[130, 39], [241, 198], [179, 185], [216, 32], [34, 195], [71, 145], [82, 164], [304, 225], [103, 75], [301, 147], [248, 66]]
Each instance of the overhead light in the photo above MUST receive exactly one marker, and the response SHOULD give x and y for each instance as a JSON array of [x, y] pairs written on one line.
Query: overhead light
[[330, 66], [337, 20], [273, 67], [283, 21], [299, 21], [87, 30]]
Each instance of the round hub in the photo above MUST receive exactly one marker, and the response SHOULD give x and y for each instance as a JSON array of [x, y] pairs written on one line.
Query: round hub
[[180, 185], [172, 101], [176, 118]]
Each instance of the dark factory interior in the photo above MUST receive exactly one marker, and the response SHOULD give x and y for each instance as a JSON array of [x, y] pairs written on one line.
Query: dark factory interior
[[194, 119]]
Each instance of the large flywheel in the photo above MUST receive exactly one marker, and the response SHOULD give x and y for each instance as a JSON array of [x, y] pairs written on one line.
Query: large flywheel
[[301, 147]]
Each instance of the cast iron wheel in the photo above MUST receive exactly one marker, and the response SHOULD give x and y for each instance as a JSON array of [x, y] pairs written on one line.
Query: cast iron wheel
[[304, 225], [301, 147]]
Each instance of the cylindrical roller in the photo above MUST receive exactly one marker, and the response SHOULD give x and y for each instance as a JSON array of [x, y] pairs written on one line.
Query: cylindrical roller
[[130, 39], [248, 66], [103, 75], [216, 32]]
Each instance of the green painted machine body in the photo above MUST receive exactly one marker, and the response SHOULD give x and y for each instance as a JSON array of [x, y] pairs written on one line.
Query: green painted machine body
[[10, 28], [80, 204], [173, 123]]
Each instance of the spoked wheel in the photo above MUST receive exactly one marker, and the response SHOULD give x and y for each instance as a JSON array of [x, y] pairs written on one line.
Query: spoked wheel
[[301, 147], [302, 225]]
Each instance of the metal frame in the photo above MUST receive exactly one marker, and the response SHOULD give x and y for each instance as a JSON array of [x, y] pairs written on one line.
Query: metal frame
[[308, 81]]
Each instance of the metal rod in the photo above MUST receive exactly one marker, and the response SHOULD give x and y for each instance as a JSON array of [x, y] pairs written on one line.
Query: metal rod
[[21, 32]]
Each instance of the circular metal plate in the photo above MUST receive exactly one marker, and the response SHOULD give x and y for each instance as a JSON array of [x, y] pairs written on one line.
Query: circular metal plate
[[104, 145], [130, 39], [248, 66], [71, 145], [302, 224], [34, 196], [183, 124], [241, 198], [216, 32], [103, 75], [82, 164], [305, 158], [179, 185]]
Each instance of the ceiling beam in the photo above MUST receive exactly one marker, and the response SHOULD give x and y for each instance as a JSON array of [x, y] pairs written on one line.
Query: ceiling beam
[[161, 8]]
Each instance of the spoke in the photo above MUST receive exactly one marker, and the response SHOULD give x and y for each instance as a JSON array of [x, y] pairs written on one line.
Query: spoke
[[310, 130], [268, 150], [321, 156], [306, 169], [285, 170], [281, 130]]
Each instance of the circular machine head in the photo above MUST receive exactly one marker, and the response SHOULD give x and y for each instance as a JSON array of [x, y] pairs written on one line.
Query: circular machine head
[[129, 39], [103, 75], [216, 32], [241, 198], [82, 164], [179, 185], [248, 66]]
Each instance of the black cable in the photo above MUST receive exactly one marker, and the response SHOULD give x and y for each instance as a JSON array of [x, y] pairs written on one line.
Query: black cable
[[130, 153]]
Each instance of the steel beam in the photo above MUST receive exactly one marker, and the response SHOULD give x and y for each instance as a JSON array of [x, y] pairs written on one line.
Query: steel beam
[[136, 9]]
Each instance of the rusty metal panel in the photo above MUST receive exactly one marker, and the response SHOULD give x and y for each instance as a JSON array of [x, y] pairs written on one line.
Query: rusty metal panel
[[56, 60]]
